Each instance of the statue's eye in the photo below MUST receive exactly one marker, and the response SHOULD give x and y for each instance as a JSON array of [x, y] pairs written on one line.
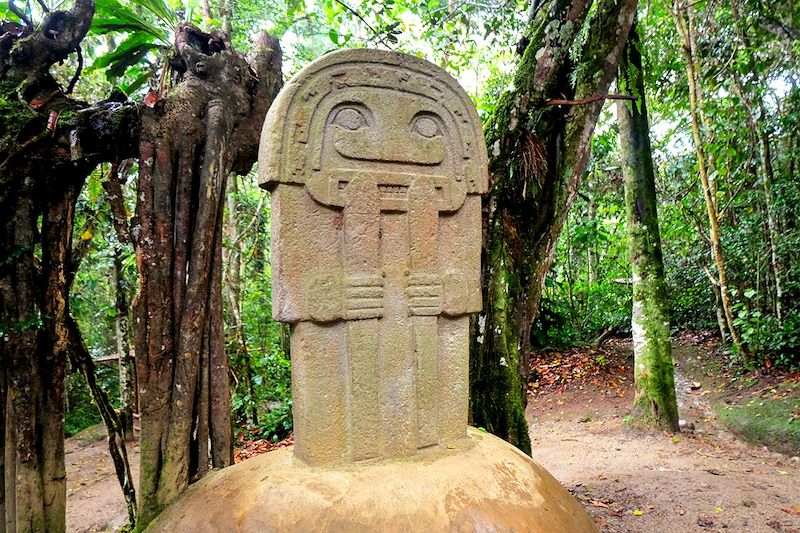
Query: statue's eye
[[350, 118], [426, 126]]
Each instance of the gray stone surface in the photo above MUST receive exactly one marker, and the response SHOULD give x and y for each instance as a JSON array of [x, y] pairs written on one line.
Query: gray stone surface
[[376, 162]]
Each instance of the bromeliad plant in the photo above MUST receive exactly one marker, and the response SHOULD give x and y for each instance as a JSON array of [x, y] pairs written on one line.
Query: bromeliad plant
[[146, 29]]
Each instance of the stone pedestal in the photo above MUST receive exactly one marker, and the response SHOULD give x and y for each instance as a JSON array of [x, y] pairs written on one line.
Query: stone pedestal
[[481, 484], [376, 163]]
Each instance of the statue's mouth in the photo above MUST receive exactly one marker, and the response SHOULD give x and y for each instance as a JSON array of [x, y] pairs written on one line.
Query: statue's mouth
[[393, 191], [393, 187], [387, 192]]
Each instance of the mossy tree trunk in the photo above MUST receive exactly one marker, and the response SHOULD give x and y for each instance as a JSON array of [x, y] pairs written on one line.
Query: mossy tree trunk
[[49, 143], [127, 372], [654, 404], [206, 127], [539, 151]]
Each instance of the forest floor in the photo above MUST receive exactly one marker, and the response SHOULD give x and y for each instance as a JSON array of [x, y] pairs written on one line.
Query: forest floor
[[94, 498], [704, 479]]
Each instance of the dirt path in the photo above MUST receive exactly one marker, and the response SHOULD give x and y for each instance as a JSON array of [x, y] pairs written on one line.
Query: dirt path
[[94, 499], [702, 480]]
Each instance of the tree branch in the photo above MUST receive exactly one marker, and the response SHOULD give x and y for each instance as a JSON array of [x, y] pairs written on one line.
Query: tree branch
[[18, 12], [590, 99], [714, 281], [253, 220], [78, 71], [367, 24], [116, 199]]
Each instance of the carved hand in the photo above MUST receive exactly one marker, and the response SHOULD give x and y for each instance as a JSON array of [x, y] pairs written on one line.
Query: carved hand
[[334, 296], [424, 293], [363, 296]]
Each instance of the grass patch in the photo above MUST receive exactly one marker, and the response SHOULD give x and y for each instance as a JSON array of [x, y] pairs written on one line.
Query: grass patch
[[770, 422]]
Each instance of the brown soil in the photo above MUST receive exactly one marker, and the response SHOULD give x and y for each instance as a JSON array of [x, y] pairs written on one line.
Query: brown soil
[[628, 480], [94, 498]]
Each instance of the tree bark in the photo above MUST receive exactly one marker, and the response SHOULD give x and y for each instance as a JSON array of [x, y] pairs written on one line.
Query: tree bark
[[207, 127], [654, 404], [538, 155], [42, 170], [127, 372]]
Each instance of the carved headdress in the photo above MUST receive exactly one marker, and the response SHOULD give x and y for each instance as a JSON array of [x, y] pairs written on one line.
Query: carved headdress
[[397, 114]]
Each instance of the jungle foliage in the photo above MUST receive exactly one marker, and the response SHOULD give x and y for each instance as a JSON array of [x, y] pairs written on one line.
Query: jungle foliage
[[587, 290], [721, 84]]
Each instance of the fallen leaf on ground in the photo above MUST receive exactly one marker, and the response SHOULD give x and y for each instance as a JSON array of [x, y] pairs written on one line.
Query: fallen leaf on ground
[[706, 522]]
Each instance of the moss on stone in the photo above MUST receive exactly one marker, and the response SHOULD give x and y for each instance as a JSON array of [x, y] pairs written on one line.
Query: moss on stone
[[771, 422]]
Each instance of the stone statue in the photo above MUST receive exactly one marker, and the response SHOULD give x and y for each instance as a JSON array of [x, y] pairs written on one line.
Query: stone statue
[[375, 162]]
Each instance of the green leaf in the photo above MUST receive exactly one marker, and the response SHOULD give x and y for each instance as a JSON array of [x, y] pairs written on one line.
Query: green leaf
[[163, 10], [112, 16], [334, 36], [137, 83], [130, 52]]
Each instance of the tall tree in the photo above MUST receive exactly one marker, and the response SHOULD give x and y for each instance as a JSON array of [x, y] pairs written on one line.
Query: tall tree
[[205, 128], [654, 403], [49, 143], [683, 14], [127, 370], [538, 138], [232, 284], [757, 121]]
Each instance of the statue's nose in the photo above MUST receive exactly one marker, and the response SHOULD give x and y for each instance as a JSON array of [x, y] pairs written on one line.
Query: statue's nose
[[389, 146]]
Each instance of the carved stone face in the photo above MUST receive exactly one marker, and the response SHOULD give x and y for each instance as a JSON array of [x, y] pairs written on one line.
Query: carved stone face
[[387, 128], [389, 135], [391, 119]]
